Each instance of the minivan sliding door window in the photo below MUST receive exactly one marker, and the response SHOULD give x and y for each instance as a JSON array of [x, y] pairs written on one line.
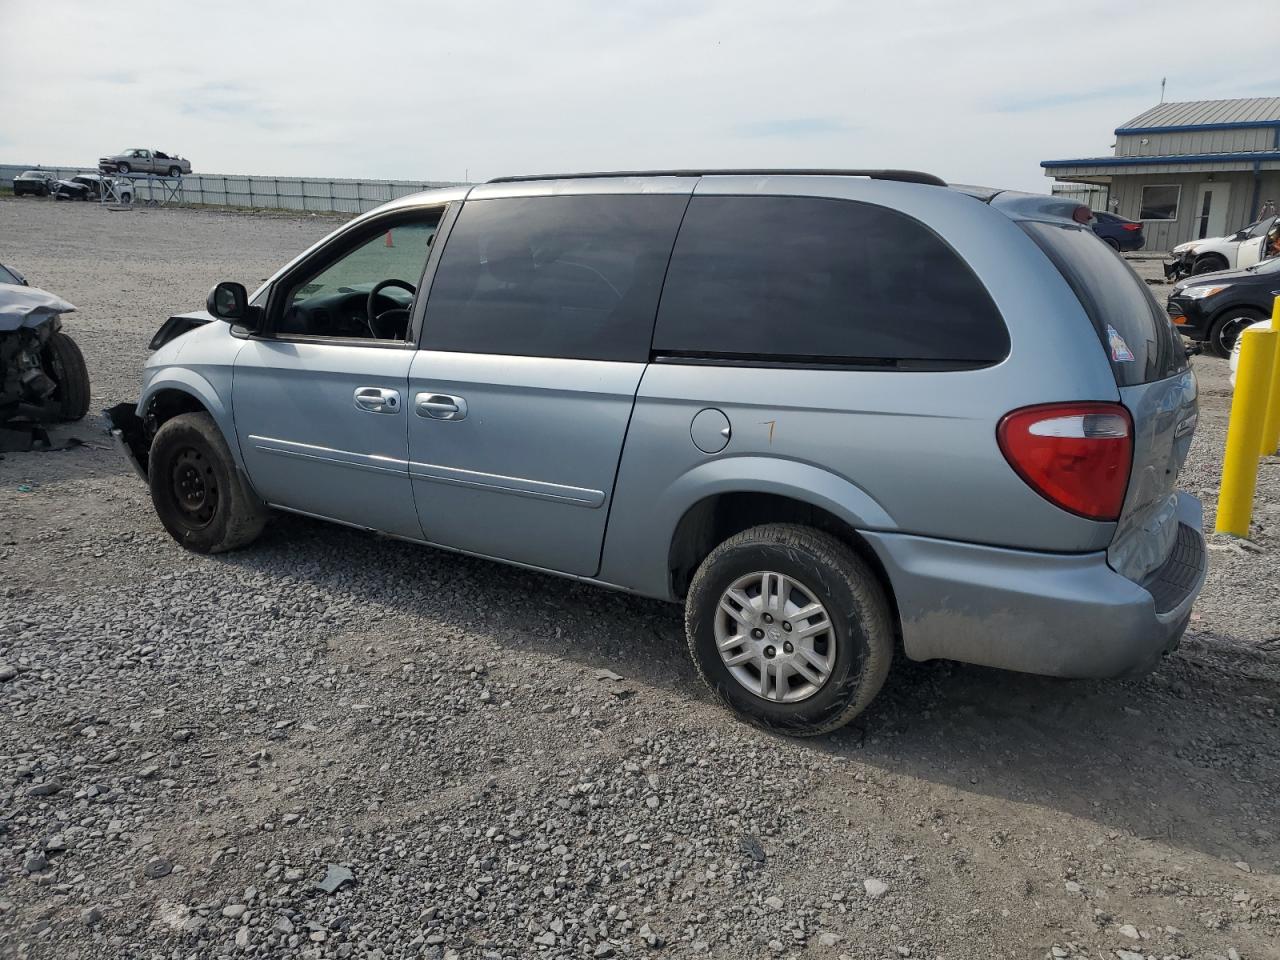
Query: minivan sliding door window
[[573, 277]]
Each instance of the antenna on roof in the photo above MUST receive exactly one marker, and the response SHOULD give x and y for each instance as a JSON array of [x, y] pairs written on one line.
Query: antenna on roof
[[1162, 83]]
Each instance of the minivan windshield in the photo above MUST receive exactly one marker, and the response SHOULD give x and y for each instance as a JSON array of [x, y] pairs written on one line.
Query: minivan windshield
[[1140, 341]]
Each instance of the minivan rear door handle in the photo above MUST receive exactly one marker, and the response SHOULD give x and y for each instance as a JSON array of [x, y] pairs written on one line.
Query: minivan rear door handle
[[440, 406]]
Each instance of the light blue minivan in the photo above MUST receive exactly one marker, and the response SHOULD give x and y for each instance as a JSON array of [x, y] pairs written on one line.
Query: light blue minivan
[[830, 412]]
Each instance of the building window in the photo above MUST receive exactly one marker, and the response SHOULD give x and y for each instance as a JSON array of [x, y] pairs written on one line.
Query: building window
[[1160, 201]]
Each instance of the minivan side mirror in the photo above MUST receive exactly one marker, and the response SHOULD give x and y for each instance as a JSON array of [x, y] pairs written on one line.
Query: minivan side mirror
[[228, 301]]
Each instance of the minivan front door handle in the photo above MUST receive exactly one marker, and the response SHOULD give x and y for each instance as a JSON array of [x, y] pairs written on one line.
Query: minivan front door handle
[[440, 406], [377, 400]]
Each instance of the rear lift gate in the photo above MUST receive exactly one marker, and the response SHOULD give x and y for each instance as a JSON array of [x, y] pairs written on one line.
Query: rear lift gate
[[1156, 542]]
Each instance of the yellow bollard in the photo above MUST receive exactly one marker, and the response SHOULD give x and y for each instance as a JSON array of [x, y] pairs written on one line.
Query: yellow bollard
[[1244, 431], [1271, 425]]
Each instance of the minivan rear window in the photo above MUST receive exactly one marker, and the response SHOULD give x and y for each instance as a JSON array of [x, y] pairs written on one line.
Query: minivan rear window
[[1137, 335], [811, 280]]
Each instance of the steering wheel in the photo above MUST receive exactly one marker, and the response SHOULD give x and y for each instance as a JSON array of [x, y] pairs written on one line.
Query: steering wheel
[[387, 325]]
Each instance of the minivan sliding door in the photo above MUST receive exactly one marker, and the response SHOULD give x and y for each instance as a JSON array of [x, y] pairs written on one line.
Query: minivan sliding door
[[536, 334]]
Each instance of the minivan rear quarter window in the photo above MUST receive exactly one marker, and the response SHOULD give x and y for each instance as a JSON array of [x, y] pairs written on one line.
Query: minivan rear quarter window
[[574, 277], [815, 280], [1115, 298]]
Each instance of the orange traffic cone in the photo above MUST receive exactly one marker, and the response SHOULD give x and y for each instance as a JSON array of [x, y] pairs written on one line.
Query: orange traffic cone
[[389, 243]]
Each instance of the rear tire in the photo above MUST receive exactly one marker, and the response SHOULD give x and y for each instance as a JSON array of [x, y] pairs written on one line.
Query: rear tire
[[1223, 333], [1208, 265], [198, 493], [1112, 242], [851, 655], [63, 361]]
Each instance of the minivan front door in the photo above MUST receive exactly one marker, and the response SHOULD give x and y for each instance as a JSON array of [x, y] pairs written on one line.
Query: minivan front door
[[536, 335], [322, 430], [319, 399]]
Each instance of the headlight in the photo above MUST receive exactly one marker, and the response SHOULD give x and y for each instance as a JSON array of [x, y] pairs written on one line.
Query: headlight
[[1199, 293]]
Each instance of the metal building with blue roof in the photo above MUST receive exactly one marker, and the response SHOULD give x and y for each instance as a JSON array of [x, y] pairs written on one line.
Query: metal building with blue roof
[[1203, 168]]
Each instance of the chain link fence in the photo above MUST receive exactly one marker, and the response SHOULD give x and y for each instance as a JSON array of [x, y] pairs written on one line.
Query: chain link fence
[[280, 193]]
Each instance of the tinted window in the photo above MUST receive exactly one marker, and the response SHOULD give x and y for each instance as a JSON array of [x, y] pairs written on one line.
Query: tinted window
[[573, 277], [7, 277], [1160, 202], [821, 280], [1117, 301]]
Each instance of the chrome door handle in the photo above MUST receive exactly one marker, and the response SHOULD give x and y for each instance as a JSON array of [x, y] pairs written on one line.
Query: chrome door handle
[[440, 406], [377, 400]]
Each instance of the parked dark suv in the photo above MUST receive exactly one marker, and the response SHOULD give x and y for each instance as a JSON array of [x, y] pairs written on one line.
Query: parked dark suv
[[827, 413], [1214, 308]]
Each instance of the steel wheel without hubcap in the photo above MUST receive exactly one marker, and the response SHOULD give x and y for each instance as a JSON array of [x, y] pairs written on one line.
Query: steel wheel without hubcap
[[775, 637], [195, 487]]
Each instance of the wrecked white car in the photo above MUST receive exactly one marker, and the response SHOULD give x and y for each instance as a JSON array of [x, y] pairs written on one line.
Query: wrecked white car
[[1241, 249], [43, 377]]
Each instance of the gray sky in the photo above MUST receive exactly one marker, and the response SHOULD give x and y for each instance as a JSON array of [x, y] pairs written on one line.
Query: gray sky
[[975, 92]]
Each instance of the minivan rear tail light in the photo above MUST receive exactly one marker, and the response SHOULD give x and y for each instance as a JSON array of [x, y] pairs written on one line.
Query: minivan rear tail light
[[1075, 455]]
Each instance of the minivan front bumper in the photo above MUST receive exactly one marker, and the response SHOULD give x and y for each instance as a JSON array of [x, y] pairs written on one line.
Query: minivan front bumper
[[1062, 615]]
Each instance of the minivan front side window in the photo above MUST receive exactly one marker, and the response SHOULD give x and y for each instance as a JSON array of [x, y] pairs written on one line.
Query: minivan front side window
[[367, 291]]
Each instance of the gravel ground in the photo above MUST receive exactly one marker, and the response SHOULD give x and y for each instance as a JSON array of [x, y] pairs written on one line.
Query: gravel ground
[[485, 762]]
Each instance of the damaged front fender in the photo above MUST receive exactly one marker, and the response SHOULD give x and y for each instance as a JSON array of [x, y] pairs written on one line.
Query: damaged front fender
[[130, 434]]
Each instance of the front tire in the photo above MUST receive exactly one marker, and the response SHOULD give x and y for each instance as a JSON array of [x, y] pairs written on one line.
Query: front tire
[[197, 491], [175, 171], [1208, 265], [789, 628], [122, 168], [1223, 333], [64, 363]]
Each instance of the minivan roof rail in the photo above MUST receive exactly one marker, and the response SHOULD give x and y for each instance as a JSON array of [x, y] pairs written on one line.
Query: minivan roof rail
[[904, 176]]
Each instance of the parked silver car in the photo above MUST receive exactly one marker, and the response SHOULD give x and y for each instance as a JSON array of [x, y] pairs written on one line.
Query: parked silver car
[[829, 413], [136, 160]]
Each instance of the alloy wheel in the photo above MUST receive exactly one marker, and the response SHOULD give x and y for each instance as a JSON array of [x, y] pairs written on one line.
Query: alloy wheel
[[1229, 330]]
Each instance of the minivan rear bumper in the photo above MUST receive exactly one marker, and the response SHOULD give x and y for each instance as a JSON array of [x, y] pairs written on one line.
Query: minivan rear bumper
[[1062, 615]]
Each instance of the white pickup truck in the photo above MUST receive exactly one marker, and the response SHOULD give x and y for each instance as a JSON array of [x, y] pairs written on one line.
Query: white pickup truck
[[1241, 249]]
